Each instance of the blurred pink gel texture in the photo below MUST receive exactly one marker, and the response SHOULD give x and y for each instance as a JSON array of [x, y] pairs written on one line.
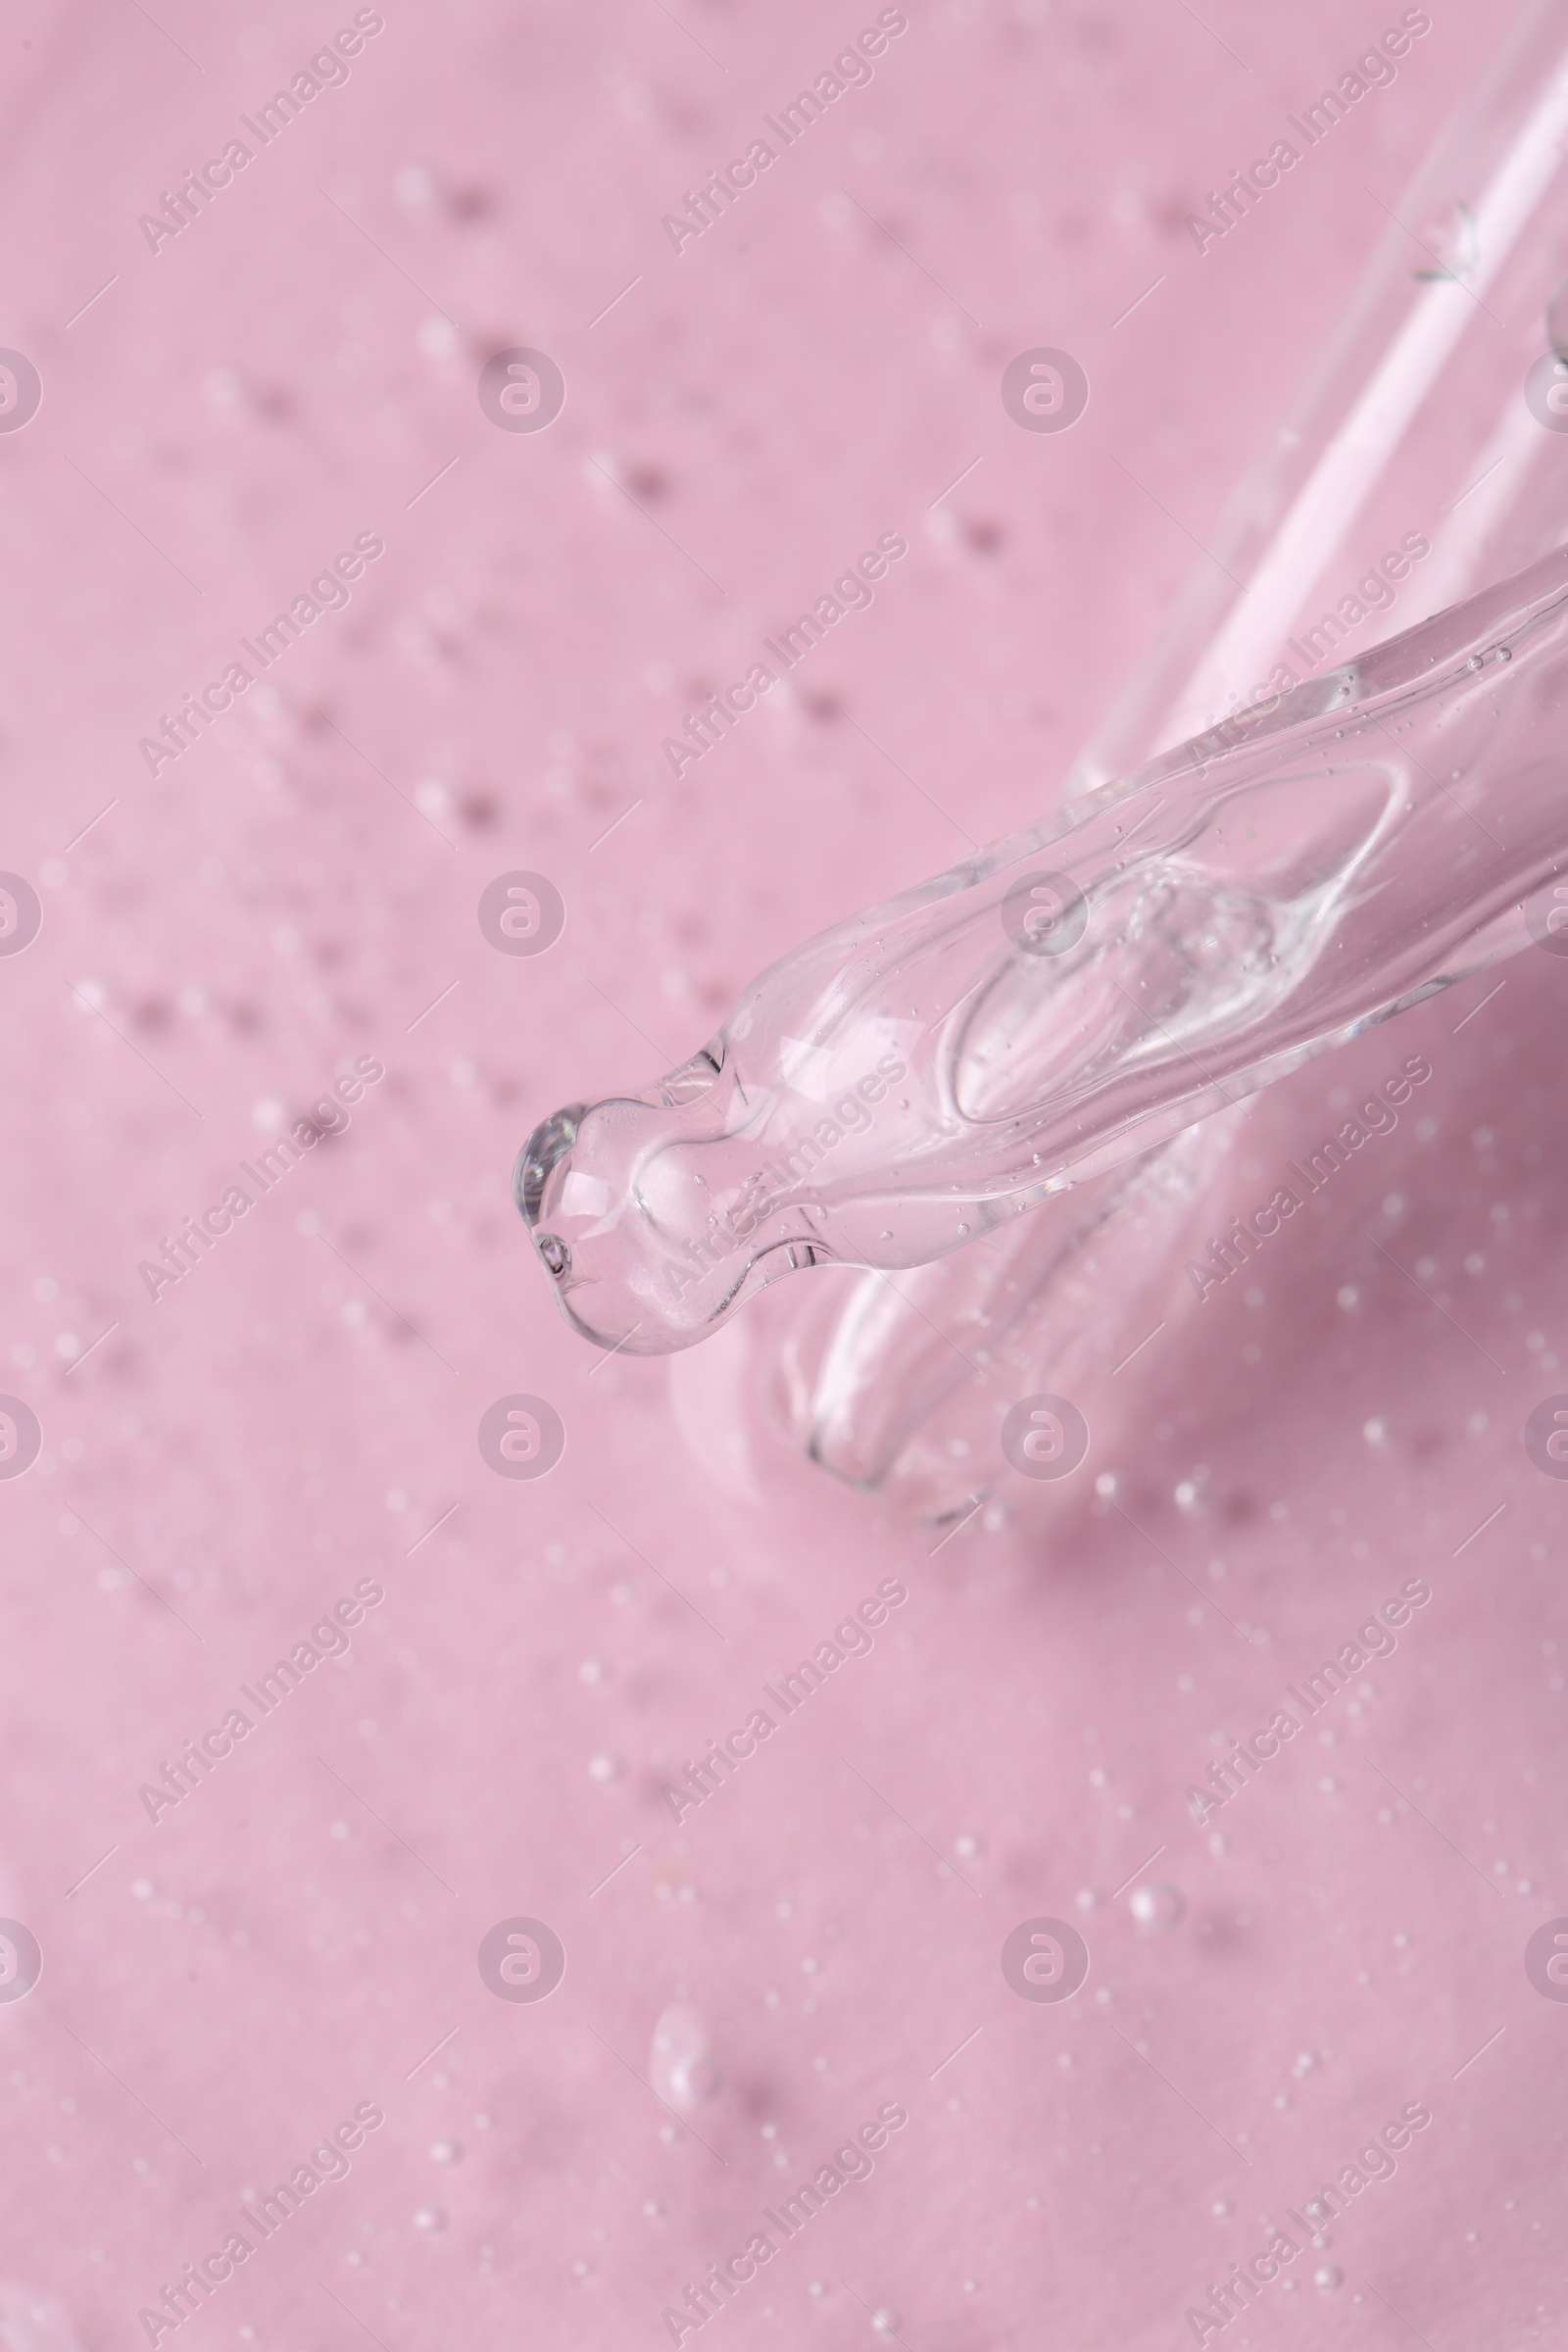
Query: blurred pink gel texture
[[818, 1942]]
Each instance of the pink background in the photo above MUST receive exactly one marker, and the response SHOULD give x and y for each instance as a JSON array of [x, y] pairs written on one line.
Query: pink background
[[300, 1410]]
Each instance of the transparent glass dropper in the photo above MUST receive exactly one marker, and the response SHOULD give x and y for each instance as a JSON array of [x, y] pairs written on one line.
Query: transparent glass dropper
[[943, 1063], [1415, 426]]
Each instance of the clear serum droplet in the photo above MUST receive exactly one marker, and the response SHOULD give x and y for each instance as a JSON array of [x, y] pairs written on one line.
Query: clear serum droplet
[[682, 2067], [1156, 1907]]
